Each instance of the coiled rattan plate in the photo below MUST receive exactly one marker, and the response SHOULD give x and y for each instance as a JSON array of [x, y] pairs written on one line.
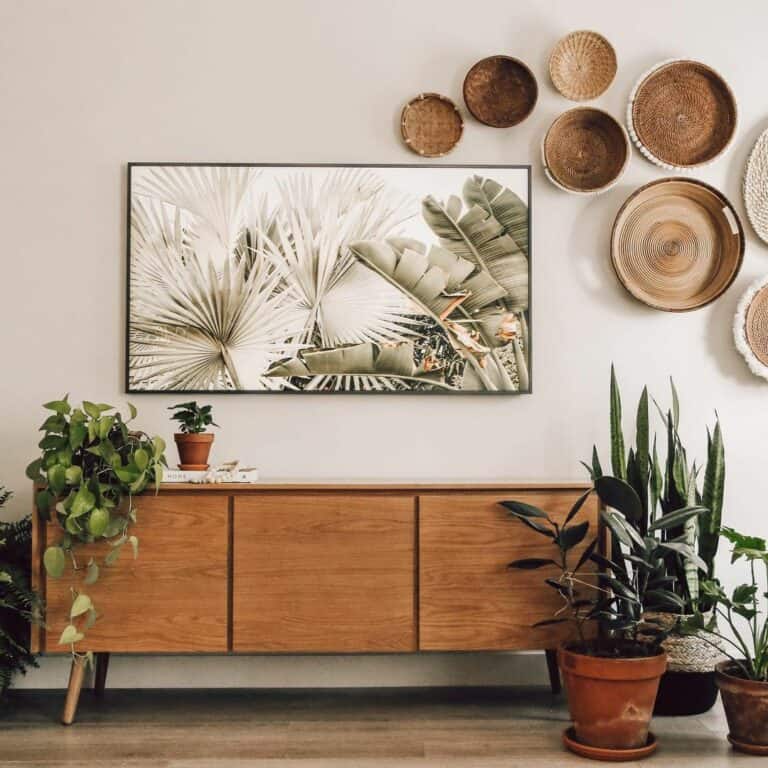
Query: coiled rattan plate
[[582, 65], [677, 244], [756, 187], [750, 327], [500, 91], [682, 114], [585, 150], [431, 125]]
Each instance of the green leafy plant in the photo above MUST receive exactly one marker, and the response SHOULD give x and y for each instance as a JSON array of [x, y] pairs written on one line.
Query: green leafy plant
[[633, 579], [19, 605], [673, 506], [193, 419], [91, 467], [745, 611]]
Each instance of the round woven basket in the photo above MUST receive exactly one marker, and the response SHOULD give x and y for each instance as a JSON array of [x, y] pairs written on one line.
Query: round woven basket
[[585, 151], [500, 91], [582, 65], [431, 125], [682, 114], [677, 244], [687, 653], [756, 187], [750, 327]]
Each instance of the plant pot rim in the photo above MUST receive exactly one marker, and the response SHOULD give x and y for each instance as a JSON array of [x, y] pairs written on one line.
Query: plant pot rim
[[567, 649], [611, 668], [194, 437], [722, 674]]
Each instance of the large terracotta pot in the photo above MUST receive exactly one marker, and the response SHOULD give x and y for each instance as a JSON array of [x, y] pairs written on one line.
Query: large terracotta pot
[[611, 700], [194, 450], [746, 708]]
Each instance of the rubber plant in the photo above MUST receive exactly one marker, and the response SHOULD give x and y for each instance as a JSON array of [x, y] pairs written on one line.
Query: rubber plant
[[91, 467]]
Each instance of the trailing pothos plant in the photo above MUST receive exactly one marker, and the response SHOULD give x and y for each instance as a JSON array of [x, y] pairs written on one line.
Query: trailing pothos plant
[[629, 582], [92, 465]]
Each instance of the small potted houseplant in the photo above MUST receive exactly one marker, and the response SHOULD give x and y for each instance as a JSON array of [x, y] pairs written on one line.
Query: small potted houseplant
[[612, 670], [192, 440], [743, 677]]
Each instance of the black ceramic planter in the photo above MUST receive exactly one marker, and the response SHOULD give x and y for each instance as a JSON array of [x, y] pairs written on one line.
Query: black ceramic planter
[[686, 693]]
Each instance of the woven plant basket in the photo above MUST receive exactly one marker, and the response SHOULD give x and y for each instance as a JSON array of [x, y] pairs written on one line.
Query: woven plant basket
[[500, 91], [689, 653], [431, 125], [750, 327], [756, 187], [585, 151], [582, 65], [682, 115]]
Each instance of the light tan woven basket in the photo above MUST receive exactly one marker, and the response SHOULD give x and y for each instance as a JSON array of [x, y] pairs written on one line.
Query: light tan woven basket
[[431, 125], [500, 91], [582, 65], [750, 327], [756, 187]]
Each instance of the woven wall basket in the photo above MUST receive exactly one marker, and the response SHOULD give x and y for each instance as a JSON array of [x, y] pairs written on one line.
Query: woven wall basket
[[756, 187], [682, 114], [582, 65], [750, 327], [585, 151], [500, 91], [677, 244], [431, 125]]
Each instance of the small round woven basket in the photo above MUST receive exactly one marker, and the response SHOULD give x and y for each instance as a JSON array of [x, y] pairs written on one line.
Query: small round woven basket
[[500, 91], [697, 653], [582, 65], [677, 244], [750, 327], [682, 115], [585, 151], [756, 187], [431, 125]]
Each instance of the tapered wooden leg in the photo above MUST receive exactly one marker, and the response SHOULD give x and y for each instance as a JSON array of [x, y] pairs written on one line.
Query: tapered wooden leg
[[100, 676], [554, 672], [76, 675]]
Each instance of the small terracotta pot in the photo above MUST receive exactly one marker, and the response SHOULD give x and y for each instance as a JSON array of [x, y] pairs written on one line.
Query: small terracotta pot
[[611, 700], [746, 709], [194, 450]]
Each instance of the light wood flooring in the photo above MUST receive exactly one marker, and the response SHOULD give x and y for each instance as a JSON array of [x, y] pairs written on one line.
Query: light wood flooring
[[424, 728]]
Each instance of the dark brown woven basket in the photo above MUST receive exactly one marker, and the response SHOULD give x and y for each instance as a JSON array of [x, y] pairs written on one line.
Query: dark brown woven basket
[[500, 91], [682, 114], [585, 150], [431, 125]]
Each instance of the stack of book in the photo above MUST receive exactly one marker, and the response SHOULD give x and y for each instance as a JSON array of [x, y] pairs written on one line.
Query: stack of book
[[211, 476]]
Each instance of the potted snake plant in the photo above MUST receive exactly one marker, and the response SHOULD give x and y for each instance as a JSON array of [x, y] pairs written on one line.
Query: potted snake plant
[[613, 664], [680, 504]]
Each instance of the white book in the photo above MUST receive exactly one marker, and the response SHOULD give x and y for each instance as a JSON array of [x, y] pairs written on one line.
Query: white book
[[209, 476]]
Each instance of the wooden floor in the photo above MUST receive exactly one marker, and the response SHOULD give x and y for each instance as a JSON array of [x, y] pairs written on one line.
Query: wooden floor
[[471, 728]]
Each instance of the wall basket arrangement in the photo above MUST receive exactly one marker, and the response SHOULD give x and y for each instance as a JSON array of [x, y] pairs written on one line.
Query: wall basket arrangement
[[585, 151], [677, 244], [582, 65], [500, 91], [756, 187], [431, 125], [750, 327], [682, 114]]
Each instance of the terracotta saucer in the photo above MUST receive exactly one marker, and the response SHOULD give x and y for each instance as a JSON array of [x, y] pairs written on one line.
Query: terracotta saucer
[[750, 749], [193, 467], [608, 755]]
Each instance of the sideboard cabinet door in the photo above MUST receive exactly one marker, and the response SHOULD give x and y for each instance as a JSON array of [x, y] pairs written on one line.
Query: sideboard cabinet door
[[324, 573], [469, 599], [172, 598]]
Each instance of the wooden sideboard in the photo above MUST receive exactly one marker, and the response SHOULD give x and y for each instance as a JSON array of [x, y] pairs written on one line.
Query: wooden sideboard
[[317, 568]]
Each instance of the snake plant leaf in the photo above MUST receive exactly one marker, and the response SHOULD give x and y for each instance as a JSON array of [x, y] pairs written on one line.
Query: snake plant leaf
[[480, 238], [687, 552], [678, 517], [501, 203], [712, 498], [618, 461], [642, 457]]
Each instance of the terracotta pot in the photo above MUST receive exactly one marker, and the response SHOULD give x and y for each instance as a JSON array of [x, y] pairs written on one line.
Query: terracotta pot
[[611, 700], [194, 450], [746, 709]]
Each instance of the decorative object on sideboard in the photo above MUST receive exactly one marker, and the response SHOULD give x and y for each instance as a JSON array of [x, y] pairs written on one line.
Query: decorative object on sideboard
[[228, 472], [585, 151], [682, 114], [500, 91], [193, 440], [329, 279], [756, 187], [677, 244], [750, 327], [582, 65], [431, 125]]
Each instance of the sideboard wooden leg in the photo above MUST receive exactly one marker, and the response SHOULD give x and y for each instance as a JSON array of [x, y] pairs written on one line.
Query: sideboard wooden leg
[[100, 676], [554, 672], [76, 675]]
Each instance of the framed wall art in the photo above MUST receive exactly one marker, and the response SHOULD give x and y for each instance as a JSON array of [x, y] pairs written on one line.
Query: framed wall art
[[328, 278]]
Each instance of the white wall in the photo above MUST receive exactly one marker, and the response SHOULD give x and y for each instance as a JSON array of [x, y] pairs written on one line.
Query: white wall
[[88, 85]]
